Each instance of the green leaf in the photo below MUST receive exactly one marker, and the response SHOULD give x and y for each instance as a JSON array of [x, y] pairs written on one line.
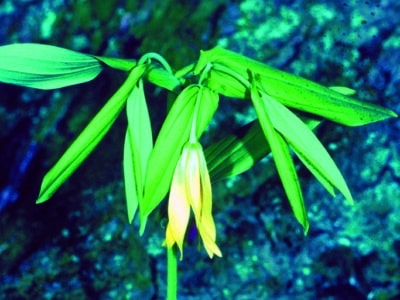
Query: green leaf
[[173, 135], [343, 90], [208, 104], [137, 149], [118, 63], [291, 90], [183, 73], [89, 138], [132, 194], [228, 82], [282, 158], [307, 147], [239, 151], [45, 67], [162, 78]]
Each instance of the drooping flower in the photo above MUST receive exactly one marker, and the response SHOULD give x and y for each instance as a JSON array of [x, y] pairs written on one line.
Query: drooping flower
[[191, 188]]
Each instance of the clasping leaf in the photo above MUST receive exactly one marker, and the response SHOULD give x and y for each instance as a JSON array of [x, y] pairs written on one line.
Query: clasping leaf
[[137, 148], [45, 67], [89, 137], [308, 148], [239, 151], [231, 70], [173, 134], [281, 155]]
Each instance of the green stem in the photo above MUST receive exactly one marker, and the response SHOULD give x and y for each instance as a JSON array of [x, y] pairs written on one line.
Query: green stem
[[172, 274], [158, 57]]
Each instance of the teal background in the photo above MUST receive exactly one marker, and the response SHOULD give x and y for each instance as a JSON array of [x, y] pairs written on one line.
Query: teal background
[[79, 245]]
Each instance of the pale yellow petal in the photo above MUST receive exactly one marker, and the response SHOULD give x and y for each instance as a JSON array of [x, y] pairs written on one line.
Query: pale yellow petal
[[206, 208], [178, 206], [193, 181], [169, 238], [209, 244], [205, 223]]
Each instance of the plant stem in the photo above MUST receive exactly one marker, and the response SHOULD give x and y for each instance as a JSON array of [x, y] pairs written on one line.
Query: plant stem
[[172, 274]]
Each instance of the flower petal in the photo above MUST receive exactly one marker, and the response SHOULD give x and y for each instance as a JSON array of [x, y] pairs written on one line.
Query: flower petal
[[206, 225], [193, 181], [178, 207]]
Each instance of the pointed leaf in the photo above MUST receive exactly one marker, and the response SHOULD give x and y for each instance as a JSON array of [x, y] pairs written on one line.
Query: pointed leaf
[[282, 158], [167, 148], [239, 151], [291, 90], [173, 135], [131, 193], [308, 148], [140, 144], [45, 67], [88, 139]]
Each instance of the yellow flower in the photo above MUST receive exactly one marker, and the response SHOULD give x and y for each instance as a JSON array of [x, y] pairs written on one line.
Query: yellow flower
[[191, 188]]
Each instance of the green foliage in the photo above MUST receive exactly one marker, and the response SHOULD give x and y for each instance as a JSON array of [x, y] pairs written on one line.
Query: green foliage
[[89, 138], [45, 67], [173, 135], [137, 148], [281, 154], [149, 170], [230, 76]]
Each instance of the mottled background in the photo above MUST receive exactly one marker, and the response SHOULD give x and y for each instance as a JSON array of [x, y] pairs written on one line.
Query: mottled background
[[79, 245]]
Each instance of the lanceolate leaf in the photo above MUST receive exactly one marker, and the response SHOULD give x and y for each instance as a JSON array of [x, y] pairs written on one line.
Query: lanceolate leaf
[[131, 193], [173, 135], [138, 146], [282, 158], [308, 148], [291, 90], [239, 151], [88, 139], [167, 148], [45, 67]]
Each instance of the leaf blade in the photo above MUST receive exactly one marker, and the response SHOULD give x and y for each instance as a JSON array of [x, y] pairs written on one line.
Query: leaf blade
[[173, 135], [282, 158], [308, 148], [140, 145], [45, 67], [88, 139], [239, 151], [131, 194], [291, 90]]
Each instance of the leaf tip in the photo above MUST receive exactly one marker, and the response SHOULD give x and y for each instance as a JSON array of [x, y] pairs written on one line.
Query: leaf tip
[[143, 222], [349, 199], [42, 198], [305, 229], [393, 114]]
